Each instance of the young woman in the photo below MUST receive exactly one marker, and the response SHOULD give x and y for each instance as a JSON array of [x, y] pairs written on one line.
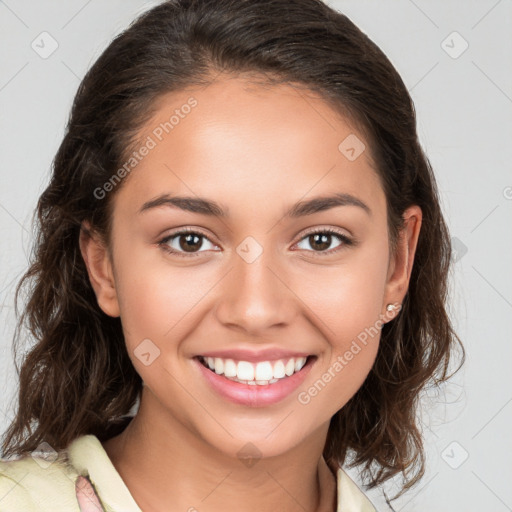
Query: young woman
[[240, 277]]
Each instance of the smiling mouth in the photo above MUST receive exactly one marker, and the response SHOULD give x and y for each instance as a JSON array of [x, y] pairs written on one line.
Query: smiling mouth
[[258, 374]]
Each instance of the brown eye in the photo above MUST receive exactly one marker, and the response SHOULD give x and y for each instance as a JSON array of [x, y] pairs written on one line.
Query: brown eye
[[190, 242], [185, 243], [321, 241]]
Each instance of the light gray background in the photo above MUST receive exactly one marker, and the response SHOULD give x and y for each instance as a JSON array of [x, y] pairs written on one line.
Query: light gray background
[[464, 108]]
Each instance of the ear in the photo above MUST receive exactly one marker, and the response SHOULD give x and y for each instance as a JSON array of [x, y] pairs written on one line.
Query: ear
[[99, 267], [400, 265]]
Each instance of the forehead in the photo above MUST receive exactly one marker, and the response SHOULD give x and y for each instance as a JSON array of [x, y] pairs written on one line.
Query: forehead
[[250, 146]]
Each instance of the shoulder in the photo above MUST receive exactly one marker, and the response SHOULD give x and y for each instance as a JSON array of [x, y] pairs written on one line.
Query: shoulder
[[350, 497], [49, 483], [37, 483]]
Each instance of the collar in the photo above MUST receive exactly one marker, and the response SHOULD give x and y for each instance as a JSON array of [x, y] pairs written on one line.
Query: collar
[[89, 458]]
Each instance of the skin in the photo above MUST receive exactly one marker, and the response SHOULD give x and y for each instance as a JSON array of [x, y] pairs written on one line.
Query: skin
[[87, 498], [256, 151]]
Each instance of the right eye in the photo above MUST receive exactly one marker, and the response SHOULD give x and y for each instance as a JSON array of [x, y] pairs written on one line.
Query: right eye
[[184, 243]]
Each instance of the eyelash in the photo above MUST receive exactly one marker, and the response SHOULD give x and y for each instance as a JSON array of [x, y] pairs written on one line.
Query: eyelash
[[344, 238]]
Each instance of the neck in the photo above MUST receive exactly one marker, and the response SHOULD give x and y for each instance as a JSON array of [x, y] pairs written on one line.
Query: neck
[[167, 467]]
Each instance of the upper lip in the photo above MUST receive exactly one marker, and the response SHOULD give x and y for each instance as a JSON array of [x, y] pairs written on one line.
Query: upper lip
[[269, 354]]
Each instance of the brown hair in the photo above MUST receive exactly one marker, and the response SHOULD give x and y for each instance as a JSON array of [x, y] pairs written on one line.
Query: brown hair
[[78, 379]]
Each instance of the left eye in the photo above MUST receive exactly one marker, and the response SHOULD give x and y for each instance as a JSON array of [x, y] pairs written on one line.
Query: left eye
[[322, 239]]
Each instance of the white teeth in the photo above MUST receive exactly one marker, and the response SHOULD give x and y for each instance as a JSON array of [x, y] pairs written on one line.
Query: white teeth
[[279, 370], [252, 382], [245, 371], [262, 373], [289, 369], [299, 363], [229, 368], [219, 365]]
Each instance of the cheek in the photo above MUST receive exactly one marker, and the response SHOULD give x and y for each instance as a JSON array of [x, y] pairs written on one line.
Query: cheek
[[338, 380], [155, 297], [350, 319], [347, 302], [347, 298]]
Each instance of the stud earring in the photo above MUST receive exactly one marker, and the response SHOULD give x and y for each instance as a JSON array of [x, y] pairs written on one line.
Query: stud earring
[[391, 307]]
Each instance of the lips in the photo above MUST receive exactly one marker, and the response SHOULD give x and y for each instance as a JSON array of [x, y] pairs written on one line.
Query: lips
[[255, 393]]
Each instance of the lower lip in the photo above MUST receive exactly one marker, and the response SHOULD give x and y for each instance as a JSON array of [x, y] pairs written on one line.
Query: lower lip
[[255, 395]]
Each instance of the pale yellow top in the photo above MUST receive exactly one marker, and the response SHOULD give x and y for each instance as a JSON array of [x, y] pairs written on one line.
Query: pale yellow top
[[34, 484]]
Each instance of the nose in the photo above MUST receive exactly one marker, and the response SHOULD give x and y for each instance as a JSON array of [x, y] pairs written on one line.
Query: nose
[[255, 296]]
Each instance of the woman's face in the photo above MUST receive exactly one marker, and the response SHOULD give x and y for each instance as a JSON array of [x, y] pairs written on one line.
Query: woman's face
[[255, 284]]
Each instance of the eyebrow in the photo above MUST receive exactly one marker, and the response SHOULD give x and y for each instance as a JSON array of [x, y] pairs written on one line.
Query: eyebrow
[[301, 209]]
